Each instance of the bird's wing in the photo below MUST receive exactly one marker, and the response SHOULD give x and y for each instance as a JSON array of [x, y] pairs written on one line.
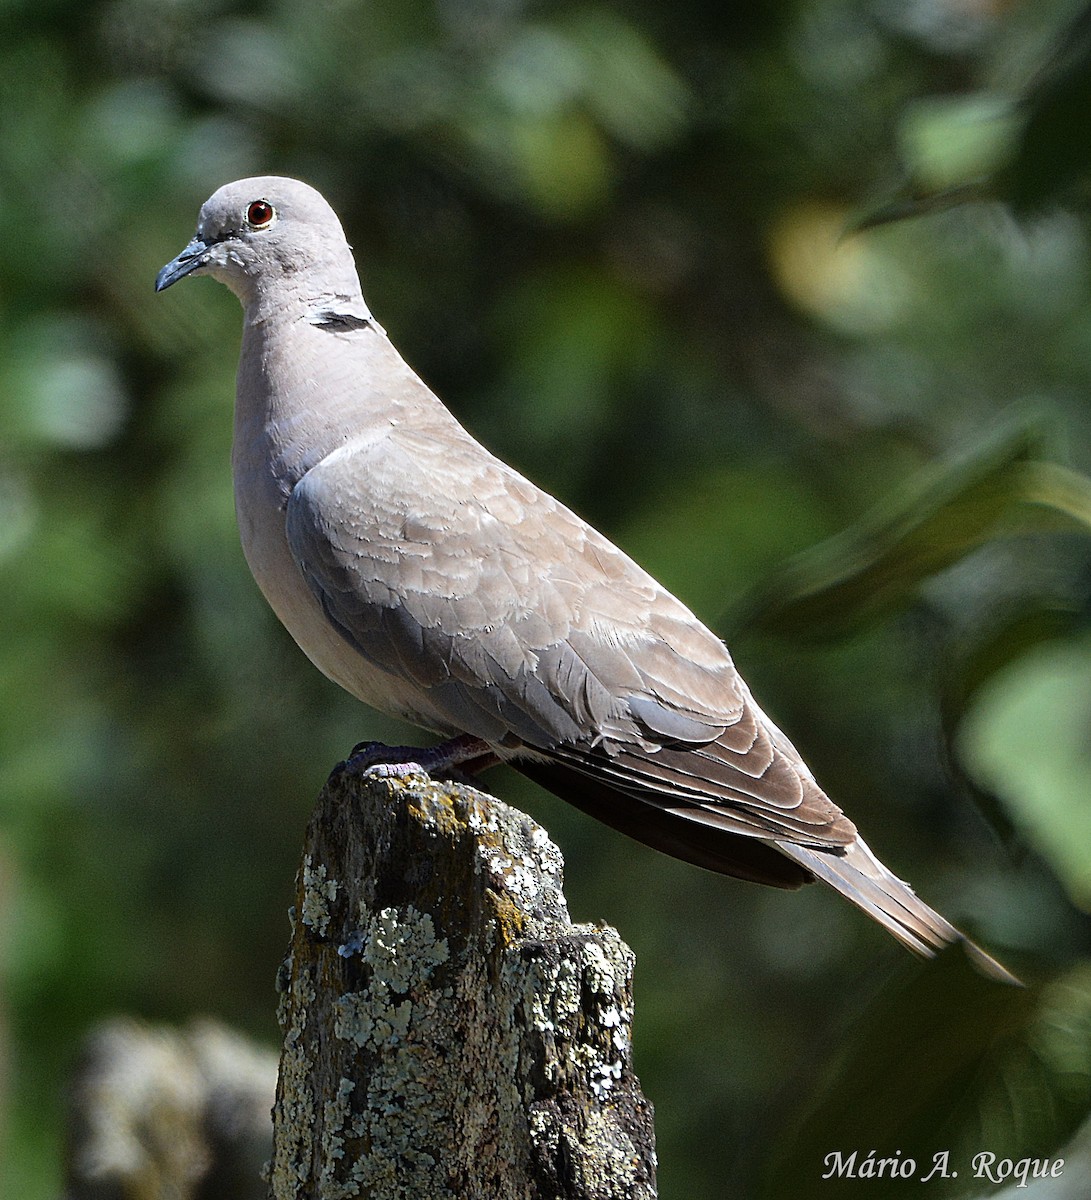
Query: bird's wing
[[526, 628]]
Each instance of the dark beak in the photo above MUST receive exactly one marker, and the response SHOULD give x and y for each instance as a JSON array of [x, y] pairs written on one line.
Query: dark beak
[[193, 256]]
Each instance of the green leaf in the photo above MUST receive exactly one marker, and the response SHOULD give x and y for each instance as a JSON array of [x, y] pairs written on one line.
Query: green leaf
[[932, 522], [1027, 149], [970, 672], [1026, 738]]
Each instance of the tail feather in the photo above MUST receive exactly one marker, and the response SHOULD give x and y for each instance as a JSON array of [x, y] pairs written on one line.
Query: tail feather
[[692, 835], [861, 878]]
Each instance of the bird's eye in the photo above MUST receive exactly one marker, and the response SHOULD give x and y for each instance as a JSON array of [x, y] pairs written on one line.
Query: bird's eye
[[261, 214]]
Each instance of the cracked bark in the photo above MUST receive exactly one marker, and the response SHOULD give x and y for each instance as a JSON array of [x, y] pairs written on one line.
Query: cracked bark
[[448, 1032]]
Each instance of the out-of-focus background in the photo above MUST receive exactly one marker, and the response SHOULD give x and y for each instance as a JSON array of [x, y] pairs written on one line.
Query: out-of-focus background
[[618, 239]]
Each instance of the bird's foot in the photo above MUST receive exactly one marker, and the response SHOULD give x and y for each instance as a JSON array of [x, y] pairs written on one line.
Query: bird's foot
[[460, 757]]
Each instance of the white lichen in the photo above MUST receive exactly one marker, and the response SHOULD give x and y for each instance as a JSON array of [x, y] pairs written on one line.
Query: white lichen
[[318, 894]]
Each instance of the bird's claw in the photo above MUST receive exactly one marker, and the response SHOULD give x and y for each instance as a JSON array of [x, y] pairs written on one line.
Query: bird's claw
[[396, 762]]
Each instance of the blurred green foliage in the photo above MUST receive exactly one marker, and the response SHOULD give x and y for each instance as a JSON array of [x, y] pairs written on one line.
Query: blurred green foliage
[[611, 235]]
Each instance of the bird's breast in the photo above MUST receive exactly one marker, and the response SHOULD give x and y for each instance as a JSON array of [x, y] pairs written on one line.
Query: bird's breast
[[261, 497]]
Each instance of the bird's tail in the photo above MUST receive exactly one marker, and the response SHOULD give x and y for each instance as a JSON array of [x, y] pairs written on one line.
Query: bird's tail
[[860, 877]]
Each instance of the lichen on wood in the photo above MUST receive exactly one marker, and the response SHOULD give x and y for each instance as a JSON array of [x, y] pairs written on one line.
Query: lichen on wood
[[448, 1033]]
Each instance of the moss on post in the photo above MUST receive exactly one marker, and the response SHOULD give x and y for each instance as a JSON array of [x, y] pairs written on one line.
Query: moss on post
[[448, 1033]]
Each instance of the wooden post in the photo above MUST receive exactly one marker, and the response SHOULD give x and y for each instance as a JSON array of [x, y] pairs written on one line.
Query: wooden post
[[156, 1112], [448, 1033]]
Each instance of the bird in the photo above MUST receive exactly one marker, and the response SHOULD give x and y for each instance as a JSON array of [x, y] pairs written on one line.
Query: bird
[[437, 584]]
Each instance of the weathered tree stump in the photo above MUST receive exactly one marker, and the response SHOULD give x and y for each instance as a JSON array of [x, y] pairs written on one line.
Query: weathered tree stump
[[157, 1113], [448, 1033]]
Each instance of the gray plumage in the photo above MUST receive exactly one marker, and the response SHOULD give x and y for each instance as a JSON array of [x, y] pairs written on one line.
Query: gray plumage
[[435, 583]]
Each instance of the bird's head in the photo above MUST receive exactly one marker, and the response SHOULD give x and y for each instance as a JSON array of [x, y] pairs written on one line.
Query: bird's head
[[267, 233]]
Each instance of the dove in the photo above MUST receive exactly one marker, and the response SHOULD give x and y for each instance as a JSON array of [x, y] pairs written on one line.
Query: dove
[[435, 583]]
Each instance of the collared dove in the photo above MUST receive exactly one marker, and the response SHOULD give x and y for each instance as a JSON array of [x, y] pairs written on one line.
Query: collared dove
[[435, 583]]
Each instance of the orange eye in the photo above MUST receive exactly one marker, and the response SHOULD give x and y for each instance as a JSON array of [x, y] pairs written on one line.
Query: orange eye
[[260, 214]]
